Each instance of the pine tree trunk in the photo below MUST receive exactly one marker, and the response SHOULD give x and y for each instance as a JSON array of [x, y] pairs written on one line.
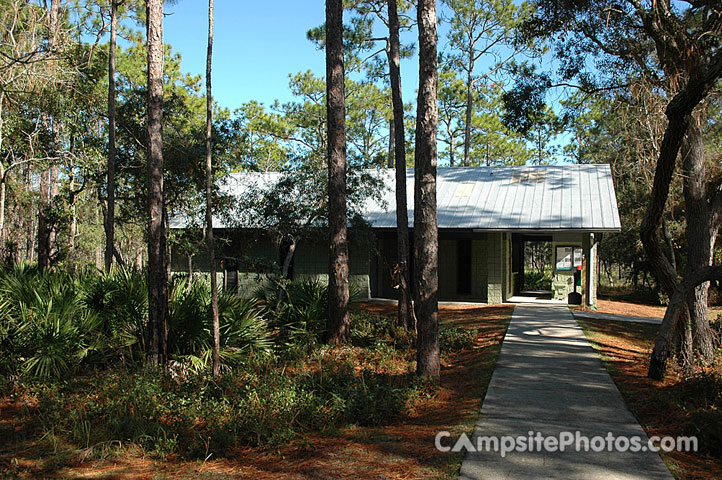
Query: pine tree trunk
[[392, 143], [209, 201], [110, 212], [43, 211], [45, 229], [338, 288], [2, 178], [469, 109], [157, 274], [426, 245], [2, 203], [405, 311]]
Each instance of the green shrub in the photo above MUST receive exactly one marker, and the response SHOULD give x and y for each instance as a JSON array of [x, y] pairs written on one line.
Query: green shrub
[[45, 329], [196, 415], [368, 330], [534, 280], [53, 323], [454, 339], [300, 318]]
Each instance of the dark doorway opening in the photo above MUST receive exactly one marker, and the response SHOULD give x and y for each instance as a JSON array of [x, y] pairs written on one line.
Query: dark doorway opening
[[463, 270]]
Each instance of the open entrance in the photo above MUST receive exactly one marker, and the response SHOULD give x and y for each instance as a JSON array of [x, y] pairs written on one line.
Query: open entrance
[[532, 265]]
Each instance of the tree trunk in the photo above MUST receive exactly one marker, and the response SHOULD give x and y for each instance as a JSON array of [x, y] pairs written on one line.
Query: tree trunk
[[405, 311], [2, 178], [209, 200], [73, 229], [426, 245], [338, 288], [43, 229], [674, 323], [469, 109], [678, 112], [157, 275], [110, 212], [701, 234], [2, 201], [280, 294], [392, 143]]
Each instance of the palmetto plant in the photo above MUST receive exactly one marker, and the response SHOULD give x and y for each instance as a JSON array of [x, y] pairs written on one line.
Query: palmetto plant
[[120, 300], [242, 325], [52, 322], [45, 325]]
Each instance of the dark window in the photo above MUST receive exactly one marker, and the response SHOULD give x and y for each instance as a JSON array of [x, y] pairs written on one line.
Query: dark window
[[463, 269], [231, 280]]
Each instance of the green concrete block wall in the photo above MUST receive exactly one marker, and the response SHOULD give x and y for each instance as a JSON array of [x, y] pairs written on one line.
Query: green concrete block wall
[[495, 268], [312, 263]]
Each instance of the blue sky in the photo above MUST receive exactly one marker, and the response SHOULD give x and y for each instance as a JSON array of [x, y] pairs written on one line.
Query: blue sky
[[257, 45]]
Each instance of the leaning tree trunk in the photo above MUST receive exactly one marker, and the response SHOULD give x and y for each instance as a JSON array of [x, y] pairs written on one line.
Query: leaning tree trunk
[[338, 288], [110, 212], [426, 244], [209, 201], [678, 112], [402, 217], [157, 274]]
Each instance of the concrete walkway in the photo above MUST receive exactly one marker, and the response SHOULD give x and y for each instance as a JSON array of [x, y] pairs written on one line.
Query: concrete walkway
[[549, 379], [615, 317]]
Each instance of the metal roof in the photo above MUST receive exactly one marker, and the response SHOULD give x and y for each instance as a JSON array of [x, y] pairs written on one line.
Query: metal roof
[[546, 198], [520, 198]]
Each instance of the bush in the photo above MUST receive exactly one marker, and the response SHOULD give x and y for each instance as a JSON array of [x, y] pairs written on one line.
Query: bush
[[44, 330], [300, 317], [53, 323], [196, 415], [534, 280], [454, 339], [368, 330]]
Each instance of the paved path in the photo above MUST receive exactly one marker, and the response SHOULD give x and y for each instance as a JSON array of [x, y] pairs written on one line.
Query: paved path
[[549, 379], [616, 318]]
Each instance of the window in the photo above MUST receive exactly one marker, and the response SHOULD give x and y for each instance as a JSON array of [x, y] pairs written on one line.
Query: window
[[230, 279], [463, 269]]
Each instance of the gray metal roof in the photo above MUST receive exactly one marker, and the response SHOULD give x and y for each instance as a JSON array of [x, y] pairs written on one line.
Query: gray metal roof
[[539, 198], [546, 198]]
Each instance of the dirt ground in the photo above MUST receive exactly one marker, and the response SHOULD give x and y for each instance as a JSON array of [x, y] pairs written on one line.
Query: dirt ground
[[619, 307], [403, 450], [625, 349]]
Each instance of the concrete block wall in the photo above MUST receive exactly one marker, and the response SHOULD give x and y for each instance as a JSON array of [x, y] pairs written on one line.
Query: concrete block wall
[[312, 263], [495, 268]]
